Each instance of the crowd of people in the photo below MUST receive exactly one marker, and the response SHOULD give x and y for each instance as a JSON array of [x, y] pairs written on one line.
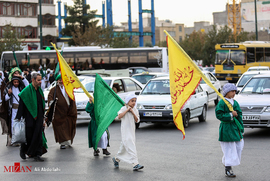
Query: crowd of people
[[22, 97]]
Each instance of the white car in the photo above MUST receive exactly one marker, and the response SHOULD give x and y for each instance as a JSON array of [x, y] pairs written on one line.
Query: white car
[[254, 101], [146, 76], [246, 76], [154, 103], [121, 85], [258, 68], [212, 95]]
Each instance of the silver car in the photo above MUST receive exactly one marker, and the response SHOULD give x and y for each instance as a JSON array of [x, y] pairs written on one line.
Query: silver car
[[254, 101], [154, 103]]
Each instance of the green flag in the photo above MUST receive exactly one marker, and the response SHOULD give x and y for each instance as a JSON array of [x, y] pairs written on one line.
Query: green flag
[[107, 104], [57, 69]]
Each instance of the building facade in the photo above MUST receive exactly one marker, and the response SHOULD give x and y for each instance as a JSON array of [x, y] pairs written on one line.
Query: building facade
[[23, 16]]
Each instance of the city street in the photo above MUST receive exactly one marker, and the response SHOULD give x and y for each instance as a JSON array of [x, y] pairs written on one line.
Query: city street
[[161, 149]]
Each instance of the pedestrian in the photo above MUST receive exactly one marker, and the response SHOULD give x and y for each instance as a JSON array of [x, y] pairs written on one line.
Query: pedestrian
[[231, 129], [92, 131], [3, 105], [11, 92], [31, 108], [127, 151], [27, 75], [65, 117]]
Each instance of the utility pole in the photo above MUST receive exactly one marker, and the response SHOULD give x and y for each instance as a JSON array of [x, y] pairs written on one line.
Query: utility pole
[[256, 24], [40, 25], [234, 17]]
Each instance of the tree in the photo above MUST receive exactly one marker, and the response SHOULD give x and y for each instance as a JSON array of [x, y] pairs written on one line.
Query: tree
[[193, 45], [80, 17], [201, 46], [10, 40]]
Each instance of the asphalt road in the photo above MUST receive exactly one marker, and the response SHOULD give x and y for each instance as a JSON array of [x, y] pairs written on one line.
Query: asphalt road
[[161, 149]]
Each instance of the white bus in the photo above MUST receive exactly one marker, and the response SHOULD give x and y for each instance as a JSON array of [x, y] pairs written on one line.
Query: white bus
[[84, 58]]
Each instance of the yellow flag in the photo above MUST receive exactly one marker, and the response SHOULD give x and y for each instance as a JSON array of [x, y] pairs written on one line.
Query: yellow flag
[[185, 76], [184, 79], [70, 80]]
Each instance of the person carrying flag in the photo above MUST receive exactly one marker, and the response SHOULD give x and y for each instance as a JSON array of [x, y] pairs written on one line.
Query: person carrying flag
[[92, 131], [65, 117], [127, 151]]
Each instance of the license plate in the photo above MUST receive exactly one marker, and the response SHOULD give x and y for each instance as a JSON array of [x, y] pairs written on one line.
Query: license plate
[[153, 114], [251, 117], [228, 78]]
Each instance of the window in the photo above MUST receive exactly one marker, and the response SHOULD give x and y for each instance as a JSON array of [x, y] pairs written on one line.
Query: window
[[172, 33], [119, 58], [267, 54], [27, 32], [138, 57], [7, 9], [47, 1], [130, 85], [119, 84], [180, 38], [250, 55], [180, 28], [27, 9], [48, 20], [47, 40], [259, 55]]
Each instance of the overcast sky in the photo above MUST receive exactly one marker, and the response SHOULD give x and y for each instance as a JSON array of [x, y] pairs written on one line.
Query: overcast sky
[[179, 11]]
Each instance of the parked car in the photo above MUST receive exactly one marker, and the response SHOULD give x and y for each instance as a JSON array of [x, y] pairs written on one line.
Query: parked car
[[254, 101], [154, 103], [146, 76], [258, 68], [211, 94], [137, 70], [121, 85]]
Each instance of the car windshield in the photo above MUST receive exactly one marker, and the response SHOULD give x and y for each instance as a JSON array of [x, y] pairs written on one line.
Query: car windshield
[[157, 87], [89, 86], [244, 79], [258, 85], [143, 78]]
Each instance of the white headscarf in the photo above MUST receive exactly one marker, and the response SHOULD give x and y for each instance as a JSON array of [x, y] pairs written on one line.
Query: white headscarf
[[130, 96]]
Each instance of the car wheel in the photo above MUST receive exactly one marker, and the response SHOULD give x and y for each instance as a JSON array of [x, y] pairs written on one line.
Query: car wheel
[[137, 125], [186, 117], [202, 117]]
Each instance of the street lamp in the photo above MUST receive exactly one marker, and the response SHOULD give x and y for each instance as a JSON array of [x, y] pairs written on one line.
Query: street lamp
[[40, 25]]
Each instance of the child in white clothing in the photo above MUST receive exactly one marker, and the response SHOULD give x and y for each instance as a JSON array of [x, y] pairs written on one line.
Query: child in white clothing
[[127, 151]]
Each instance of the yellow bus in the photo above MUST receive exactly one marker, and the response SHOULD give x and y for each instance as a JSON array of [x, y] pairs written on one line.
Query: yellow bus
[[233, 59]]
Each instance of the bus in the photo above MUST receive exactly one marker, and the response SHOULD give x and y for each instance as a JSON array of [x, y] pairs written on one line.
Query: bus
[[86, 58], [233, 59]]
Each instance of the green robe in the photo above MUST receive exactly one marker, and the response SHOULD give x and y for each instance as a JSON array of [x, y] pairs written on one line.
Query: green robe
[[228, 129], [92, 126]]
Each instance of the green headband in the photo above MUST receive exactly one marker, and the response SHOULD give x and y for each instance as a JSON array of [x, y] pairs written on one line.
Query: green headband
[[58, 77]]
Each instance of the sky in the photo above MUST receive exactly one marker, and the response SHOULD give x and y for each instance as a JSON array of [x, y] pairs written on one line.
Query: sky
[[178, 11]]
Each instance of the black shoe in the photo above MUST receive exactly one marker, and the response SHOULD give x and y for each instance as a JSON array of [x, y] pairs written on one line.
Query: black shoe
[[229, 173], [22, 154], [105, 152], [63, 147], [38, 159], [96, 153]]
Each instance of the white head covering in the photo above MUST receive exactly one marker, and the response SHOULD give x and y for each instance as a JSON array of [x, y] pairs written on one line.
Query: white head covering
[[130, 96]]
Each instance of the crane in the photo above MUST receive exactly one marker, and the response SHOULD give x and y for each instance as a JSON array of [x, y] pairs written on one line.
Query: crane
[[234, 16]]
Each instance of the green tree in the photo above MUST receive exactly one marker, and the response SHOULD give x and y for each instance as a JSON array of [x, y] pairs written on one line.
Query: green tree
[[10, 40], [80, 17], [201, 46], [193, 45]]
